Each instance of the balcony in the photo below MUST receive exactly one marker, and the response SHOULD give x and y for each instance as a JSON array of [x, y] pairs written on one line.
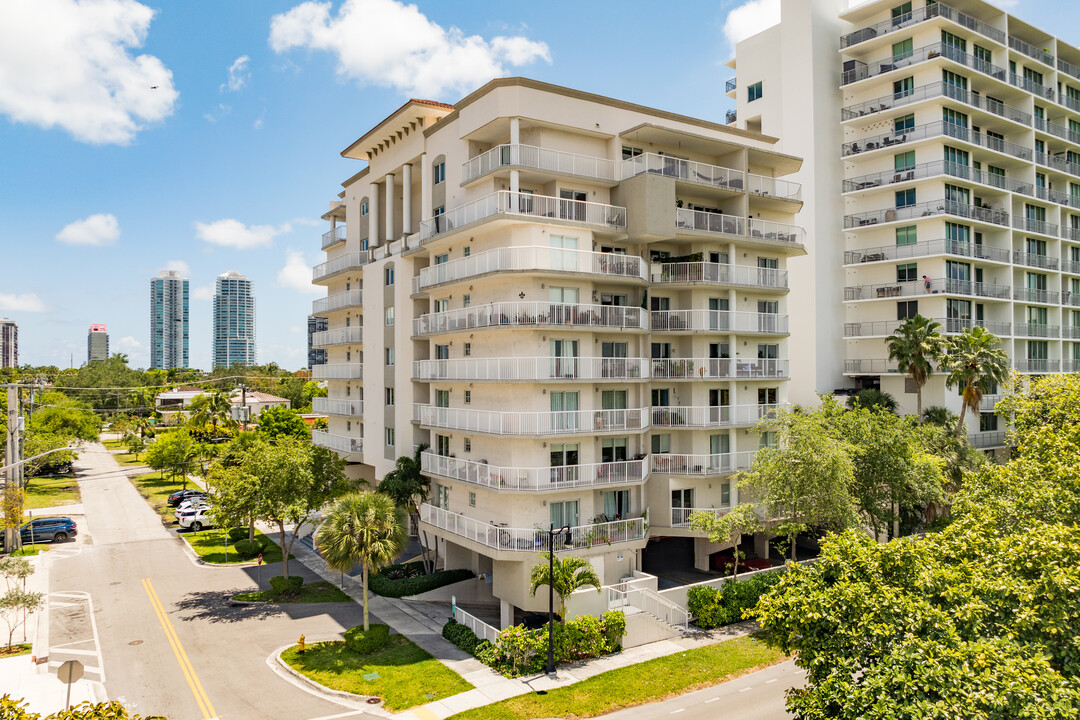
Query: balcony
[[925, 248], [988, 402], [1070, 332], [873, 366], [343, 263], [1058, 161], [720, 321], [718, 368], [1069, 68], [534, 479], [701, 465], [532, 314], [691, 273], [930, 286], [338, 371], [730, 85], [537, 158], [350, 448], [1036, 226], [1037, 89], [551, 422], [1038, 330], [714, 176], [532, 369], [712, 416], [338, 336], [937, 129], [935, 169], [949, 326], [333, 236], [1056, 196], [861, 70], [1070, 298], [532, 540], [730, 116], [1070, 366], [929, 12], [1038, 366], [987, 440], [928, 209], [330, 406], [533, 258], [1037, 295], [1043, 56], [338, 301], [1056, 130], [519, 205], [934, 90], [680, 517], [758, 230], [1035, 260], [1070, 266]]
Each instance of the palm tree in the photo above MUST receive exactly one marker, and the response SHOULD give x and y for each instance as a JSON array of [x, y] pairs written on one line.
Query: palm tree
[[914, 345], [213, 409], [975, 364], [409, 487], [570, 574], [364, 527], [940, 415], [872, 399]]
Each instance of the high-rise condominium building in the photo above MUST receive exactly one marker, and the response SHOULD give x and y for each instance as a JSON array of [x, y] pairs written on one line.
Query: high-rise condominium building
[[168, 321], [234, 321], [579, 303], [97, 343], [942, 148], [9, 343], [315, 355]]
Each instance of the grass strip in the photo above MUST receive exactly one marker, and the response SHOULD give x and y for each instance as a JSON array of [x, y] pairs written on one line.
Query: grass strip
[[408, 675], [16, 649], [51, 491], [210, 546], [157, 489], [318, 592], [650, 681]]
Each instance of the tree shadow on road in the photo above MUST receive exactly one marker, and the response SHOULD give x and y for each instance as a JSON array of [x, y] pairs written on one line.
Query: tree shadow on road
[[215, 606]]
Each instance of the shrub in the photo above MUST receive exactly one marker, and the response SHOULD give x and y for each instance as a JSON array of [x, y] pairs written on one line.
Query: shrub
[[713, 607], [237, 534], [286, 586], [461, 636], [248, 548], [397, 581], [366, 643], [520, 651]]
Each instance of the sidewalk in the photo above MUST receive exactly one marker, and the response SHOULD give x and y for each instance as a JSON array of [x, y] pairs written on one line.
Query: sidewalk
[[489, 685]]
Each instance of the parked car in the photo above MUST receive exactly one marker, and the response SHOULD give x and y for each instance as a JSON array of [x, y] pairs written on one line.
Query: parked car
[[51, 529], [195, 518], [192, 502], [180, 495]]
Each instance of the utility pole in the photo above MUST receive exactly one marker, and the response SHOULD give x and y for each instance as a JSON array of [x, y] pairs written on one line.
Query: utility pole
[[243, 406], [13, 475]]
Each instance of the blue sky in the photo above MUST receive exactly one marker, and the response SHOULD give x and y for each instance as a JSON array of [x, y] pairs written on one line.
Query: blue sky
[[229, 163]]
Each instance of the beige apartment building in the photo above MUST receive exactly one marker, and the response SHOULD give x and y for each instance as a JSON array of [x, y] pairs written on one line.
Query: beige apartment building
[[580, 304], [942, 148]]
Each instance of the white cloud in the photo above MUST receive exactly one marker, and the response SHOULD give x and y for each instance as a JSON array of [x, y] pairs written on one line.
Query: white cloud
[[257, 125], [27, 302], [238, 75], [97, 230], [138, 355], [217, 113], [750, 18], [296, 274], [203, 292], [66, 63], [128, 343], [178, 266], [389, 43], [235, 234]]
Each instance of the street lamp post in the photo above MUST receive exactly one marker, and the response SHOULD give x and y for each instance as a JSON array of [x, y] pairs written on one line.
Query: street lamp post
[[552, 534]]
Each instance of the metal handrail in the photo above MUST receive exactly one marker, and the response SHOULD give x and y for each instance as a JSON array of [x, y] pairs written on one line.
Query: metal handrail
[[533, 257], [923, 248], [919, 15], [933, 90], [719, 273], [539, 158], [535, 479], [505, 202], [532, 314]]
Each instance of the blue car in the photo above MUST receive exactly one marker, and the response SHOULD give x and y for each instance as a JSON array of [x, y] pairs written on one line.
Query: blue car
[[52, 529]]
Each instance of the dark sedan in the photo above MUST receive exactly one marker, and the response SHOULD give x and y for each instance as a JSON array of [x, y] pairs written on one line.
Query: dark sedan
[[181, 495]]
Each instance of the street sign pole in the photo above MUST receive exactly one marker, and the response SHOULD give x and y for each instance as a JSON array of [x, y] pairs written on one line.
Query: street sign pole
[[69, 673]]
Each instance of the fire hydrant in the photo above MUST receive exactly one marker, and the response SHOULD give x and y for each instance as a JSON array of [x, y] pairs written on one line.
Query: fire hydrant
[[301, 651]]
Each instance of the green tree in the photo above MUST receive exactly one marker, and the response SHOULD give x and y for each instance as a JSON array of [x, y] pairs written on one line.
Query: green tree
[[16, 605], [728, 528], [570, 574], [410, 488], [233, 488], [915, 345], [363, 527], [279, 421], [872, 399], [174, 452], [213, 409], [976, 365], [134, 443], [940, 415]]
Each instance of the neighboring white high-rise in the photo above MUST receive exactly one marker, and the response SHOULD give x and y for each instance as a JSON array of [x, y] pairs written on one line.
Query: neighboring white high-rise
[[942, 148], [168, 321], [97, 343], [234, 321], [9, 343], [579, 303]]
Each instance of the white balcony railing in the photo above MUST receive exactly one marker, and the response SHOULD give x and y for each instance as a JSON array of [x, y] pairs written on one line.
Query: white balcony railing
[[532, 368], [338, 443], [930, 286], [534, 479], [552, 422], [532, 314], [349, 261], [537, 158], [338, 301], [924, 248], [904, 21], [935, 129], [935, 90], [989, 439], [717, 368], [718, 321], [338, 336], [333, 236], [1038, 330], [950, 326], [720, 274], [710, 416], [1038, 366], [711, 175], [543, 207], [680, 517], [338, 371], [332, 406], [711, 222], [701, 465], [533, 258], [927, 209], [532, 540]]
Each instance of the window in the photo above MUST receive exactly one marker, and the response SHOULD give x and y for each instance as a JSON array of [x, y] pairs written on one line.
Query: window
[[616, 504], [725, 493], [442, 496], [1037, 350], [442, 445], [466, 300], [954, 85], [443, 258], [661, 444], [630, 152], [390, 316], [389, 356], [468, 444], [467, 251], [441, 210], [904, 160], [954, 157], [389, 437], [468, 397], [906, 235], [951, 41], [438, 173], [613, 449], [364, 208], [905, 123], [988, 422], [472, 499], [468, 349], [905, 198], [753, 92], [954, 194], [902, 49], [907, 309], [389, 396], [956, 122], [388, 275], [983, 57], [564, 513], [903, 88], [901, 13], [442, 398], [907, 272]]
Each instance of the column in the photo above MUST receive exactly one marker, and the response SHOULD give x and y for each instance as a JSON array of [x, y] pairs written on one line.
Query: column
[[373, 214], [425, 187], [389, 207], [506, 614], [515, 139], [406, 199]]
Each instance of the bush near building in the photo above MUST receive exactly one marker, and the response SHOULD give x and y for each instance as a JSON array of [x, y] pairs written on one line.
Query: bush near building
[[713, 607], [407, 579]]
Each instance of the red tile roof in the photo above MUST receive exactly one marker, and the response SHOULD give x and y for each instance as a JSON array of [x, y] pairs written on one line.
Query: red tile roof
[[433, 103]]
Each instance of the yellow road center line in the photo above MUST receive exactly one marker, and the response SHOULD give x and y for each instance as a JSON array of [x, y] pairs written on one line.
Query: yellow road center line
[[181, 657]]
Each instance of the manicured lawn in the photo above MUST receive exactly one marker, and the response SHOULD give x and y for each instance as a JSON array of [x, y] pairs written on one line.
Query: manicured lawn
[[408, 675], [113, 444], [210, 546], [156, 490], [318, 592], [127, 459], [16, 649], [51, 491], [645, 682]]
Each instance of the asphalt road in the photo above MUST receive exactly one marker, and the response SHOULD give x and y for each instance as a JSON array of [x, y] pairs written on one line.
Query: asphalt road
[[169, 642]]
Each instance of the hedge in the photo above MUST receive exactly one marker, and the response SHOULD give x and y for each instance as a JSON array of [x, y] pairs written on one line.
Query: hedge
[[713, 607], [397, 581], [461, 636], [366, 643], [286, 585]]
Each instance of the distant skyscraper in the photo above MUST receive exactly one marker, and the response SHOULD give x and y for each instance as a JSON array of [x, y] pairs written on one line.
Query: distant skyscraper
[[97, 343], [168, 321], [315, 356], [9, 343], [234, 321]]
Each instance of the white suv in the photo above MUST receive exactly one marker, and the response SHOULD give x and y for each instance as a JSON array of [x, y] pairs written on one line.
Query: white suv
[[195, 518]]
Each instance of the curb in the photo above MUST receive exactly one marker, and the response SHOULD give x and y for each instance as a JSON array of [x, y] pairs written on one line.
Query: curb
[[321, 689], [41, 626]]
